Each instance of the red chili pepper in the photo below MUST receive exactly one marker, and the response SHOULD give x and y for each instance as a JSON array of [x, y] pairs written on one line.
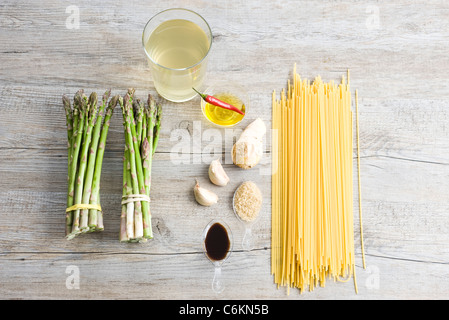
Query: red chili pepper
[[216, 102]]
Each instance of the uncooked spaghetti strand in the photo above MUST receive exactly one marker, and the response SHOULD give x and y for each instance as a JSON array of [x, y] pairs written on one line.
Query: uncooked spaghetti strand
[[359, 180], [274, 172]]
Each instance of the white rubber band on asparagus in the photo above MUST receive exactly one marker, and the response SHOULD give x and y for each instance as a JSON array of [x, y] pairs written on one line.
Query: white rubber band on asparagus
[[135, 198]]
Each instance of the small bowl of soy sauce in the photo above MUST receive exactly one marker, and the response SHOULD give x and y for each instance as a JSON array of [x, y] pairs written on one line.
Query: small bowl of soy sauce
[[217, 246]]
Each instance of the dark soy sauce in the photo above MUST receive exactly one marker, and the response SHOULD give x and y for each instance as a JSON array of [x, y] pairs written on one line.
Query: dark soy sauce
[[217, 242]]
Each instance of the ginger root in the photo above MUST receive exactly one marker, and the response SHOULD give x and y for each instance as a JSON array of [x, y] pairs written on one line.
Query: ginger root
[[248, 149]]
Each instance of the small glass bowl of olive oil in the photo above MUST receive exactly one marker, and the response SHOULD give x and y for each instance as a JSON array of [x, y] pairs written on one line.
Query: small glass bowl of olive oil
[[233, 95]]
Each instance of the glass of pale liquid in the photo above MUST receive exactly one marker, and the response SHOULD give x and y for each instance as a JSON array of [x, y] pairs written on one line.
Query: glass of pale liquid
[[177, 43]]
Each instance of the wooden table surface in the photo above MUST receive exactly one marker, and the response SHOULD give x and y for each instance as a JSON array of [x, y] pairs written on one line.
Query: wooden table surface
[[397, 53]]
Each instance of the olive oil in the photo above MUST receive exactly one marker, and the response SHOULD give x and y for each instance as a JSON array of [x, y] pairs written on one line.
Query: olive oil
[[221, 116]]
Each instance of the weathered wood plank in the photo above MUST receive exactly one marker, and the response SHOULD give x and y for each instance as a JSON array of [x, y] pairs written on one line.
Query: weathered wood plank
[[254, 43], [189, 276]]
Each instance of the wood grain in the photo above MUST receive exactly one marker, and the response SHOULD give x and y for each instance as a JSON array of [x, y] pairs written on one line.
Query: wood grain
[[398, 65]]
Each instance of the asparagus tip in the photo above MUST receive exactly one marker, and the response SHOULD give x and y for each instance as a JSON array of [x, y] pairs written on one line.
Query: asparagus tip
[[106, 95], [114, 100], [93, 98]]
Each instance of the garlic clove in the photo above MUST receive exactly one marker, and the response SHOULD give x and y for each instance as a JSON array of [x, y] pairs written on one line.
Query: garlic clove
[[203, 196], [217, 175]]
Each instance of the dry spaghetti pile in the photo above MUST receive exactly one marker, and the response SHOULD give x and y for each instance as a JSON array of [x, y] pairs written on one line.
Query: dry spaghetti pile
[[312, 189]]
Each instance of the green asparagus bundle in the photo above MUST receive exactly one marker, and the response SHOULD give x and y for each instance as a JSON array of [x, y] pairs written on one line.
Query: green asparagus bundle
[[142, 125], [87, 129]]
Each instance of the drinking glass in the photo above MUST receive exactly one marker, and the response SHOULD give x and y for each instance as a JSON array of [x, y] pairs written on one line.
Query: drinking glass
[[177, 43]]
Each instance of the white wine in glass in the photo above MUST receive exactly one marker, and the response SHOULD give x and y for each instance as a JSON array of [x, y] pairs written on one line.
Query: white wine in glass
[[177, 42]]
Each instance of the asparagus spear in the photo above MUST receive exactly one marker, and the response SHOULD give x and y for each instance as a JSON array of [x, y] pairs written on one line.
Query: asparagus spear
[[69, 123], [92, 107], [129, 206], [99, 218], [147, 230], [144, 125], [95, 216], [69, 113], [123, 234], [148, 159], [157, 127], [129, 137], [76, 111], [77, 102], [87, 188], [76, 145], [138, 111], [86, 120]]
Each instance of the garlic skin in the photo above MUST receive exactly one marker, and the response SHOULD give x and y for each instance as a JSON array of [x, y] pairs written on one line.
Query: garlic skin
[[247, 151], [203, 196], [217, 175]]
